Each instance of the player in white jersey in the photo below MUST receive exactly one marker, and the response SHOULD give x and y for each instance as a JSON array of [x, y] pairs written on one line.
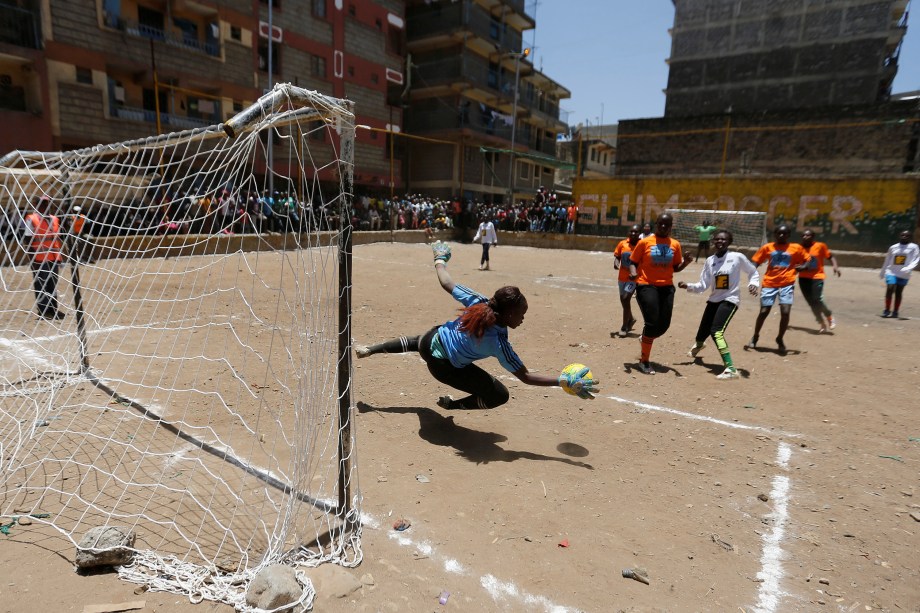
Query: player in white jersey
[[902, 258], [722, 272]]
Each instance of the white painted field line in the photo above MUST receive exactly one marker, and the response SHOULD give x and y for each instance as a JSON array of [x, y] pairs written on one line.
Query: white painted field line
[[771, 557], [499, 590], [712, 420]]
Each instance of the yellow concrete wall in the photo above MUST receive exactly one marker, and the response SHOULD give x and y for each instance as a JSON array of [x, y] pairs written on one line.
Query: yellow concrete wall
[[861, 214]]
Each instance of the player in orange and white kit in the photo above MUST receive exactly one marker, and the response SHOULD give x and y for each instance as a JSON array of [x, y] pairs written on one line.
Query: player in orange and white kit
[[811, 279], [652, 266], [626, 287], [783, 259]]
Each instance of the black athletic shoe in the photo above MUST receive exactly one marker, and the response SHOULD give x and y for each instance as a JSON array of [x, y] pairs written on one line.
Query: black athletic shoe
[[752, 344], [781, 346], [646, 368]]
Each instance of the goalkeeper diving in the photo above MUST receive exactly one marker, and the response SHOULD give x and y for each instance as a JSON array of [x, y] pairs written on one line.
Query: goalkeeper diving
[[481, 331]]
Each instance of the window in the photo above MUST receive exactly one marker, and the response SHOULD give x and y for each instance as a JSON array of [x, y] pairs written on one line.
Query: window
[[374, 78], [151, 23], [317, 131], [263, 56], [318, 66], [275, 3], [319, 8], [378, 23], [352, 11], [236, 33], [396, 40], [351, 71], [594, 155], [493, 76], [524, 170], [84, 75]]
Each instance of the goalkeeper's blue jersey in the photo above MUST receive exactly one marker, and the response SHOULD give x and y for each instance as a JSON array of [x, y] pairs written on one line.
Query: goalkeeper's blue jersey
[[463, 349]]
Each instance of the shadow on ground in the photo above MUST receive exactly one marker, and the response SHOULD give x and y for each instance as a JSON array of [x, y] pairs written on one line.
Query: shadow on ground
[[474, 445]]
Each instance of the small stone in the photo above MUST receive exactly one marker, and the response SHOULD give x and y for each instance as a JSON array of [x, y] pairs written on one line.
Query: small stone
[[24, 521], [824, 581], [763, 497], [915, 516]]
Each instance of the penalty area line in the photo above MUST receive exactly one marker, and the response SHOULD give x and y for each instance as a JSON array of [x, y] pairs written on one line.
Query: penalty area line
[[772, 554]]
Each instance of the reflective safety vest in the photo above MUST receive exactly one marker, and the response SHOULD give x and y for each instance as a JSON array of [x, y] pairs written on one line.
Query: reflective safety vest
[[79, 220], [45, 246]]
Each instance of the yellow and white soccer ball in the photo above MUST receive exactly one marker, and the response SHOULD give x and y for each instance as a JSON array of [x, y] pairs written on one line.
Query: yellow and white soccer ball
[[570, 371]]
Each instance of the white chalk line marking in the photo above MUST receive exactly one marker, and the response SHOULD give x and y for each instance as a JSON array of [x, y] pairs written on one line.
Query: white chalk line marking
[[713, 420], [772, 554], [497, 589], [771, 558]]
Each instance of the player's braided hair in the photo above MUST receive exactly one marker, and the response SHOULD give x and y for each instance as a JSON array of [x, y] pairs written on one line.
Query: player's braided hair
[[476, 319]]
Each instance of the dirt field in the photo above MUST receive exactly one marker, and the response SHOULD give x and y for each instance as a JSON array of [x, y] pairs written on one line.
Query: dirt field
[[791, 489]]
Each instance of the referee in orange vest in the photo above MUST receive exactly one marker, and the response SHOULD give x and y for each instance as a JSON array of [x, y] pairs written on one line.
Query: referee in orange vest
[[43, 233]]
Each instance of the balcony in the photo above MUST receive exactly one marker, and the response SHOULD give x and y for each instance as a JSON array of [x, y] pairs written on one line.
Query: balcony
[[464, 22], [187, 39], [20, 27], [176, 122]]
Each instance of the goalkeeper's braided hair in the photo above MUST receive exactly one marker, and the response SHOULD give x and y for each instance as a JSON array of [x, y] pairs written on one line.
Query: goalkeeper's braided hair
[[478, 318]]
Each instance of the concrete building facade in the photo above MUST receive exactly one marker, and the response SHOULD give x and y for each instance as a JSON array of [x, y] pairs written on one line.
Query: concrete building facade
[[749, 55]]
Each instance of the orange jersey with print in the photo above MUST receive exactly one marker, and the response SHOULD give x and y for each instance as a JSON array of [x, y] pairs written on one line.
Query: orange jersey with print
[[781, 262], [622, 253], [815, 268], [655, 259]]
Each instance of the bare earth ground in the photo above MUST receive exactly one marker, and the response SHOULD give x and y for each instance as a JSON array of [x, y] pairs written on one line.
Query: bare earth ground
[[769, 493]]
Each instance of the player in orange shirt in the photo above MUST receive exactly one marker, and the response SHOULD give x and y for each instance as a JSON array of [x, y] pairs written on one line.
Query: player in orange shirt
[[783, 259], [652, 266], [811, 279], [626, 287]]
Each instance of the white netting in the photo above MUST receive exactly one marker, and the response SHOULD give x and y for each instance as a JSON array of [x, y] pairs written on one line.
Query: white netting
[[197, 387], [748, 228]]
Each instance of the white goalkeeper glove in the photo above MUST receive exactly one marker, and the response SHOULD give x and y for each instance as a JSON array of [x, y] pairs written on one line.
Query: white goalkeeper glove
[[441, 252], [582, 386]]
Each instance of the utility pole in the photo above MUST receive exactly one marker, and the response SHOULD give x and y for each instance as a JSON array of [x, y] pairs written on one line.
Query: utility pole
[[517, 76]]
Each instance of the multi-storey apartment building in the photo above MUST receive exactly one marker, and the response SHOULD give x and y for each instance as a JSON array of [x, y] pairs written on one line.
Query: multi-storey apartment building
[[80, 72], [468, 62]]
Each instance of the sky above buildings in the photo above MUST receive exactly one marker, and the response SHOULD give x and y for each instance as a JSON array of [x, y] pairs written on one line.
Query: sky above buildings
[[611, 55]]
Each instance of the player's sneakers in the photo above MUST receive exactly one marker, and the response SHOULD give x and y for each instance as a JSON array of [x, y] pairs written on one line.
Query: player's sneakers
[[695, 350], [646, 368], [362, 351], [623, 332], [894, 315], [781, 346], [446, 402], [886, 313], [752, 344], [831, 322], [728, 373]]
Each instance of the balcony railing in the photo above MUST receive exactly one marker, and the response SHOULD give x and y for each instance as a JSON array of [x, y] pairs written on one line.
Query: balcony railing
[[19, 27], [141, 30], [166, 119], [439, 19]]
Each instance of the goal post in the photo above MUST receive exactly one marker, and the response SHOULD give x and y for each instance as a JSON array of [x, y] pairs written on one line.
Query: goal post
[[748, 228], [197, 387]]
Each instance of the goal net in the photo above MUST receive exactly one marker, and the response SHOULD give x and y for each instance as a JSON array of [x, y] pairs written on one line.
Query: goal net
[[748, 228], [194, 383]]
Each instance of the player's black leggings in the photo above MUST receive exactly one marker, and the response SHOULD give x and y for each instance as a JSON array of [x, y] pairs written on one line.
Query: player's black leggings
[[813, 291], [485, 253], [656, 303], [485, 391]]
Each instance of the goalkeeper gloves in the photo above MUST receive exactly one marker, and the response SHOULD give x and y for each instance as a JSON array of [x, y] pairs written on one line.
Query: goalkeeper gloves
[[582, 386], [441, 252]]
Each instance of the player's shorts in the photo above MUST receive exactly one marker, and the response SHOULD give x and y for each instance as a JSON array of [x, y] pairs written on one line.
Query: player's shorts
[[768, 295], [893, 280], [627, 288]]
